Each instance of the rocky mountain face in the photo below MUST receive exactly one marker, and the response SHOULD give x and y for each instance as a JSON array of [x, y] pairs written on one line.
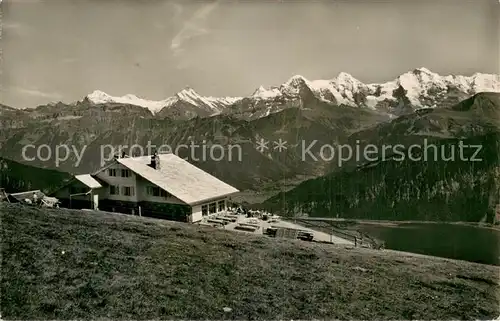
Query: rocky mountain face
[[93, 131], [477, 115], [11, 118], [438, 182]]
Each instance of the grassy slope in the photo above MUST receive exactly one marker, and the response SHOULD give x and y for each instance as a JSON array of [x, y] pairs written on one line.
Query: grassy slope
[[126, 267]]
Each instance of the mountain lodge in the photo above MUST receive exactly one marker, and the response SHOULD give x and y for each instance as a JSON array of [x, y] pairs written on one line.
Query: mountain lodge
[[161, 186]]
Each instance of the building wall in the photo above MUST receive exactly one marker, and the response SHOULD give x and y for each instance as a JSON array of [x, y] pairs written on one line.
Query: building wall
[[120, 181], [66, 191], [77, 201], [162, 210], [166, 206], [196, 213], [167, 211], [197, 210], [139, 184]]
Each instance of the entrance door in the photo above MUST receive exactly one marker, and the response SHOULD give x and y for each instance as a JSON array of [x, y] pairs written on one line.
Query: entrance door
[[96, 201]]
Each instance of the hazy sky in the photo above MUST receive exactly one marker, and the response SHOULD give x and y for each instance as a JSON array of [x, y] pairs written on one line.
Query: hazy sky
[[61, 50]]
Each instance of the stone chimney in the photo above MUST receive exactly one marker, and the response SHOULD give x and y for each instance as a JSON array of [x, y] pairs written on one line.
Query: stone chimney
[[155, 161]]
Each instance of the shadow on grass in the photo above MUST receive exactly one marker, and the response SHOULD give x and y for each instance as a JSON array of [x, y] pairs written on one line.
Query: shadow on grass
[[61, 264]]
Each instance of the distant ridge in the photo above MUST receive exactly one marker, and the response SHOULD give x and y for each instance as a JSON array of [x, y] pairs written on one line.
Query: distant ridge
[[412, 90]]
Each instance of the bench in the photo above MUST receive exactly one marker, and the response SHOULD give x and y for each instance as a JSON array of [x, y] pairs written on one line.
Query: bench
[[217, 221], [205, 224], [228, 219], [271, 231], [305, 235], [245, 228], [256, 226]]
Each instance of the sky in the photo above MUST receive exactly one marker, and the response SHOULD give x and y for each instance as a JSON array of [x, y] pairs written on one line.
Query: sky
[[62, 50]]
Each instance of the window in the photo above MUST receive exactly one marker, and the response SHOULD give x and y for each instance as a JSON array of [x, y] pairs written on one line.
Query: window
[[128, 190], [126, 173], [204, 210], [114, 190], [112, 172], [212, 208], [222, 206], [153, 191], [156, 191]]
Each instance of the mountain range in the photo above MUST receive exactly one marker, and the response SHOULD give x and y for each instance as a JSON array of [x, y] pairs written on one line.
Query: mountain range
[[412, 90]]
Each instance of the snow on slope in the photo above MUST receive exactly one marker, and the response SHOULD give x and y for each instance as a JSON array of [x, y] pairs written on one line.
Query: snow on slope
[[419, 88], [419, 83], [213, 104], [263, 93], [99, 97], [187, 95]]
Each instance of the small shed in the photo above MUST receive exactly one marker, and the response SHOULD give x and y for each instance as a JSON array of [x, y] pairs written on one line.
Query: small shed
[[28, 197], [35, 197], [82, 191]]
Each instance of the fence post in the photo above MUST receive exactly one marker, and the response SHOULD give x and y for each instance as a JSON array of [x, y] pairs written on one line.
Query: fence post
[[140, 214]]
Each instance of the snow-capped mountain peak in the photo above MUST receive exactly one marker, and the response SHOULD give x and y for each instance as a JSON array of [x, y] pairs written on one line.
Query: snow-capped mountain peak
[[189, 95], [296, 80], [186, 95], [294, 85], [100, 97], [262, 93], [188, 91], [344, 76], [259, 90], [347, 81], [423, 70]]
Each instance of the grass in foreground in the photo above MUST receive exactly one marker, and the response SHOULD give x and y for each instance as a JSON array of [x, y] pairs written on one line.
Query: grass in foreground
[[61, 264]]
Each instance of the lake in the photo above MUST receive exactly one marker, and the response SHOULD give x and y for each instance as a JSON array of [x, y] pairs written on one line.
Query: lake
[[455, 241]]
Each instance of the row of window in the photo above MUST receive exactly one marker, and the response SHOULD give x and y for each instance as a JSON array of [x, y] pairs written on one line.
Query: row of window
[[212, 208], [125, 190], [130, 191], [156, 191], [123, 172]]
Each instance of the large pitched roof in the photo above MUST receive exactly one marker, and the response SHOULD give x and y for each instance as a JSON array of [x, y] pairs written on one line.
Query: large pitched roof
[[179, 178]]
